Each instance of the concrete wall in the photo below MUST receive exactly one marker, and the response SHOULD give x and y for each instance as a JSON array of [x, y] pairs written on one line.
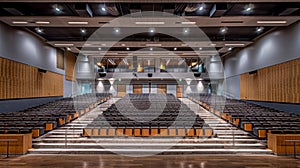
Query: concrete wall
[[277, 47]]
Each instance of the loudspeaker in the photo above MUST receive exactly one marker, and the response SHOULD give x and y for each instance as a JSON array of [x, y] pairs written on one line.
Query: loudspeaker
[[253, 72], [149, 75], [101, 75], [197, 75], [42, 70]]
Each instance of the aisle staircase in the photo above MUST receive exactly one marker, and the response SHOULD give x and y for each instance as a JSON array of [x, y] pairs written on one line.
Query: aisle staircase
[[227, 139]]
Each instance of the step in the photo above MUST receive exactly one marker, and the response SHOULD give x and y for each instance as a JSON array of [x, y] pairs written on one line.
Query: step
[[147, 146], [138, 140], [149, 151]]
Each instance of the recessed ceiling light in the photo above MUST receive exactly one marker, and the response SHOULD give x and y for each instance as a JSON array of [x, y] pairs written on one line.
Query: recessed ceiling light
[[103, 9], [39, 30], [230, 48], [185, 30], [117, 30], [259, 29], [201, 7], [147, 23], [200, 48], [152, 30], [78, 23], [57, 9], [175, 49], [19, 22], [83, 31], [271, 22], [42, 22], [127, 48], [223, 30], [99, 48], [151, 49], [68, 48], [248, 8]]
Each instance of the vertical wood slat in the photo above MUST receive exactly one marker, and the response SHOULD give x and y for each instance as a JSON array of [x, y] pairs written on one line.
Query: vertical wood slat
[[23, 81], [277, 83]]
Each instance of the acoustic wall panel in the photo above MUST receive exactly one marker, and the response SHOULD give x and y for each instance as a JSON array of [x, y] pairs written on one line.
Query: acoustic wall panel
[[23, 81], [277, 83], [70, 66]]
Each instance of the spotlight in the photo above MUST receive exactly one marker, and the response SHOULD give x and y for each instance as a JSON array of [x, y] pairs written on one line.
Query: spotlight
[[201, 7], [248, 8], [103, 9], [68, 48], [175, 49], [230, 48], [223, 30], [99, 48], [200, 48], [151, 49], [127, 48], [39, 30], [259, 29], [117, 30], [83, 31], [152, 30], [57, 9]]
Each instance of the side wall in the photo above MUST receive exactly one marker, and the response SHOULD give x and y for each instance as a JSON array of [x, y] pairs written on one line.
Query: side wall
[[21, 46], [275, 48]]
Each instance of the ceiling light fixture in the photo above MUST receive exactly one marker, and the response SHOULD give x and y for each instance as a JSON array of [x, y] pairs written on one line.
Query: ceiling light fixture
[[259, 29], [64, 44], [223, 30], [127, 48], [103, 9], [20, 22], [200, 48], [83, 31], [99, 48], [78, 23], [188, 23], [230, 48], [175, 49], [68, 48], [147, 23], [151, 49], [117, 30], [248, 8], [39, 30], [237, 44], [201, 7], [152, 30], [42, 22], [271, 22]]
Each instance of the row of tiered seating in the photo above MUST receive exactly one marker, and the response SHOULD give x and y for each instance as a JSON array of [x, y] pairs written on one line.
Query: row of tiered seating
[[251, 117], [40, 119], [136, 115]]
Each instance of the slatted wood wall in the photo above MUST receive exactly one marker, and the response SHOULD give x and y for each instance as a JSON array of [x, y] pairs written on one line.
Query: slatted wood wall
[[137, 89], [19, 80], [70, 66], [278, 83], [161, 89], [179, 91], [121, 90]]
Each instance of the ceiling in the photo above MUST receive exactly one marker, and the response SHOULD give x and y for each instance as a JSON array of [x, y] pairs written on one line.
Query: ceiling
[[226, 27]]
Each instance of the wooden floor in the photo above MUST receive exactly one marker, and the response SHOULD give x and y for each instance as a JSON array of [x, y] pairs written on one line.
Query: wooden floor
[[116, 161]]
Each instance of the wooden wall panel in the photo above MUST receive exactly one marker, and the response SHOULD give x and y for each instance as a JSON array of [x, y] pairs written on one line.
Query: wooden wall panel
[[137, 89], [277, 83], [23, 81], [162, 89], [70, 66], [179, 91], [121, 90]]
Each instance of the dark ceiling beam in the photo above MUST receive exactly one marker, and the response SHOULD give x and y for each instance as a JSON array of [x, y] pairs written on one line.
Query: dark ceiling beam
[[152, 1], [200, 21]]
